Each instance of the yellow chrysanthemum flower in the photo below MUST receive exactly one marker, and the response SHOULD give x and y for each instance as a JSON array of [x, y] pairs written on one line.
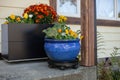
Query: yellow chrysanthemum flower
[[12, 16], [75, 35], [66, 31], [61, 16], [72, 33], [65, 18], [59, 20], [62, 19], [25, 15]]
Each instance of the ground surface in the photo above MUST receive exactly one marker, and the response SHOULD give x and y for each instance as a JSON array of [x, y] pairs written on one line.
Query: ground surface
[[40, 71]]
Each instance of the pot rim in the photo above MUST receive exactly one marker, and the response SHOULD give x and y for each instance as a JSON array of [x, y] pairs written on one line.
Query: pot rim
[[55, 40]]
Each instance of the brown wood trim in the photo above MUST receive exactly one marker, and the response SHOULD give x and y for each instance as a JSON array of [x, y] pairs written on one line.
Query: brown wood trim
[[73, 20], [88, 30], [77, 21], [108, 23], [53, 3]]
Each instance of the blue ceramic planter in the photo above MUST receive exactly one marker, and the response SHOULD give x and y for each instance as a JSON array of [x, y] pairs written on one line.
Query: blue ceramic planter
[[62, 50]]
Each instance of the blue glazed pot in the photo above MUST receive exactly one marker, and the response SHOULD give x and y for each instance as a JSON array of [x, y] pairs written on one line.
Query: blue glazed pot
[[62, 50]]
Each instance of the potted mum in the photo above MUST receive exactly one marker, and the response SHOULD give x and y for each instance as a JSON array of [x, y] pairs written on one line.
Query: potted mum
[[62, 44], [22, 37]]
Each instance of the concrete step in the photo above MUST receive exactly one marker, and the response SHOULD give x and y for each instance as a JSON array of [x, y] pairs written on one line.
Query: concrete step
[[36, 70]]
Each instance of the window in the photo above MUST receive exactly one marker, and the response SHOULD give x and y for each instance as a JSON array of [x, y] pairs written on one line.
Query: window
[[105, 9], [118, 12], [69, 8], [108, 9]]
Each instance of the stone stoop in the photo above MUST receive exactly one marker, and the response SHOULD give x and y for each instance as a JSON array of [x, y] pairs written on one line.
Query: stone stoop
[[88, 73], [37, 70]]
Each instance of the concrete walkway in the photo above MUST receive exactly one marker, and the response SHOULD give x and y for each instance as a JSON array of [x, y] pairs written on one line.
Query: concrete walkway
[[40, 71]]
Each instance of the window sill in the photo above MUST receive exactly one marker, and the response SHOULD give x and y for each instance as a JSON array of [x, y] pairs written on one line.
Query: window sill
[[99, 22]]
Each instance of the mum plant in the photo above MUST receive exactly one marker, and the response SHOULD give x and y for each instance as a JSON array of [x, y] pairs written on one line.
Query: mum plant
[[38, 13], [61, 31], [13, 19], [41, 13]]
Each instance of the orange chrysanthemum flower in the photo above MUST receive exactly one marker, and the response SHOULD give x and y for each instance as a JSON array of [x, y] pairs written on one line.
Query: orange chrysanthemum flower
[[59, 30], [42, 13], [18, 19]]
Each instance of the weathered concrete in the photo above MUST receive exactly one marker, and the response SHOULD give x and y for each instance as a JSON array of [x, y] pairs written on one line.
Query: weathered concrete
[[39, 71]]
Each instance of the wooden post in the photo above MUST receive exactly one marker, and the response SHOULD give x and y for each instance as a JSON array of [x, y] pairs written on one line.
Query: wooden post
[[88, 30]]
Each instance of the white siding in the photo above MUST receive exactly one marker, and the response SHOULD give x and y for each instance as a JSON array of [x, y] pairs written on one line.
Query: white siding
[[21, 3], [2, 21], [6, 11], [111, 38]]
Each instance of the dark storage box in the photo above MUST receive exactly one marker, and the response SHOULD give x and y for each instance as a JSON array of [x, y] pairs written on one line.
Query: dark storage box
[[23, 41]]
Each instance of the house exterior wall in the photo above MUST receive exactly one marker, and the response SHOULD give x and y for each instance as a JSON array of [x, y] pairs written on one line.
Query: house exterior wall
[[111, 39], [111, 35]]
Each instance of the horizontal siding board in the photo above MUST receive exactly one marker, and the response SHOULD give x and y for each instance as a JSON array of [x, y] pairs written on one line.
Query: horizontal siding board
[[2, 21], [5, 11], [21, 3], [111, 44], [111, 36], [107, 53], [75, 27], [108, 29]]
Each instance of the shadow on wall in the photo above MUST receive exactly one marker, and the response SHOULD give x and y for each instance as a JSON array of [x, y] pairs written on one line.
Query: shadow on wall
[[0, 57]]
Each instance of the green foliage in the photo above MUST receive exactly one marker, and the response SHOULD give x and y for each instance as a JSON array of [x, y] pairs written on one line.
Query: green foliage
[[61, 32], [13, 19], [28, 20], [114, 60], [51, 33], [107, 71], [18, 19], [115, 75]]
